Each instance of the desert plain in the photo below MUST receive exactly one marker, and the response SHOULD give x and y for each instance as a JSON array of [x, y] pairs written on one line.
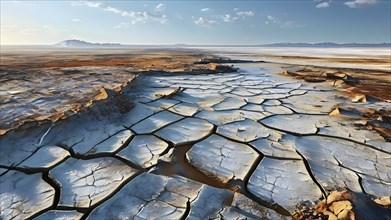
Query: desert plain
[[194, 133]]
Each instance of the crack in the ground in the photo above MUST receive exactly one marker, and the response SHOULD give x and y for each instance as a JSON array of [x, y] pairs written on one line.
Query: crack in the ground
[[31, 170], [284, 131], [308, 167], [57, 190], [110, 136], [355, 141], [122, 184], [187, 210]]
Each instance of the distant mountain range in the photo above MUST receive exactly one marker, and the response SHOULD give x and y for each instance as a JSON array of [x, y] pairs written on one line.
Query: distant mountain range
[[84, 44]]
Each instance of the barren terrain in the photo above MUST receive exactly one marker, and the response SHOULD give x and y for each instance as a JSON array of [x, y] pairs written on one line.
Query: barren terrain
[[147, 134]]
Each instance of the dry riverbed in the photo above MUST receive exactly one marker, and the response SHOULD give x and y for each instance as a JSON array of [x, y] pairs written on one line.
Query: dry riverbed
[[192, 142]]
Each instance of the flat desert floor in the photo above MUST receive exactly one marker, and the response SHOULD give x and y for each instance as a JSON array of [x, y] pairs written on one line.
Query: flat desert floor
[[194, 134]]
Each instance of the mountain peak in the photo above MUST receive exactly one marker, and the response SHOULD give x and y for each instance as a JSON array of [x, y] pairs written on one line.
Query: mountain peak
[[75, 43]]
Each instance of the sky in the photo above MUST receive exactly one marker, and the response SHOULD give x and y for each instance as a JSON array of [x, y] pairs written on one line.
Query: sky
[[196, 22]]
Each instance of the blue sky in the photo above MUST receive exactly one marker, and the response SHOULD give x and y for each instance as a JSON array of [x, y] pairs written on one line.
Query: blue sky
[[196, 22]]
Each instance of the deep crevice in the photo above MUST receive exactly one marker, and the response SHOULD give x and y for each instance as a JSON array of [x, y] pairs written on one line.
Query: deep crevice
[[358, 176], [19, 169], [57, 191], [308, 167], [110, 136], [154, 113], [129, 163], [124, 145], [281, 158], [35, 169], [187, 211], [360, 179], [87, 156]]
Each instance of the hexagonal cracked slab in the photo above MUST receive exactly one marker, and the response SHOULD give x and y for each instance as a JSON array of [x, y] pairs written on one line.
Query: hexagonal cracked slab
[[241, 92], [253, 107], [163, 103], [185, 109], [204, 100], [222, 159], [23, 195], [229, 103], [271, 102], [186, 131], [45, 158], [111, 144], [86, 182], [298, 124], [285, 182], [155, 122], [244, 131], [139, 113], [278, 110], [223, 117], [143, 150], [256, 100]]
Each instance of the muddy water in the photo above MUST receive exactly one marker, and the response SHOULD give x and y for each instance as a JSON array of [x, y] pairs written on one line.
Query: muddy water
[[180, 167]]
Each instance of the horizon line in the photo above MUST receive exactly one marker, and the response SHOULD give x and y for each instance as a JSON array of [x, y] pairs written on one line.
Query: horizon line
[[186, 44]]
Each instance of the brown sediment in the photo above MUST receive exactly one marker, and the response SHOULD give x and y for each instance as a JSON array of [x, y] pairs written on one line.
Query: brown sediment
[[142, 59], [377, 89], [372, 83], [384, 201], [362, 75], [344, 204], [370, 119], [101, 95], [383, 128], [76, 107]]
